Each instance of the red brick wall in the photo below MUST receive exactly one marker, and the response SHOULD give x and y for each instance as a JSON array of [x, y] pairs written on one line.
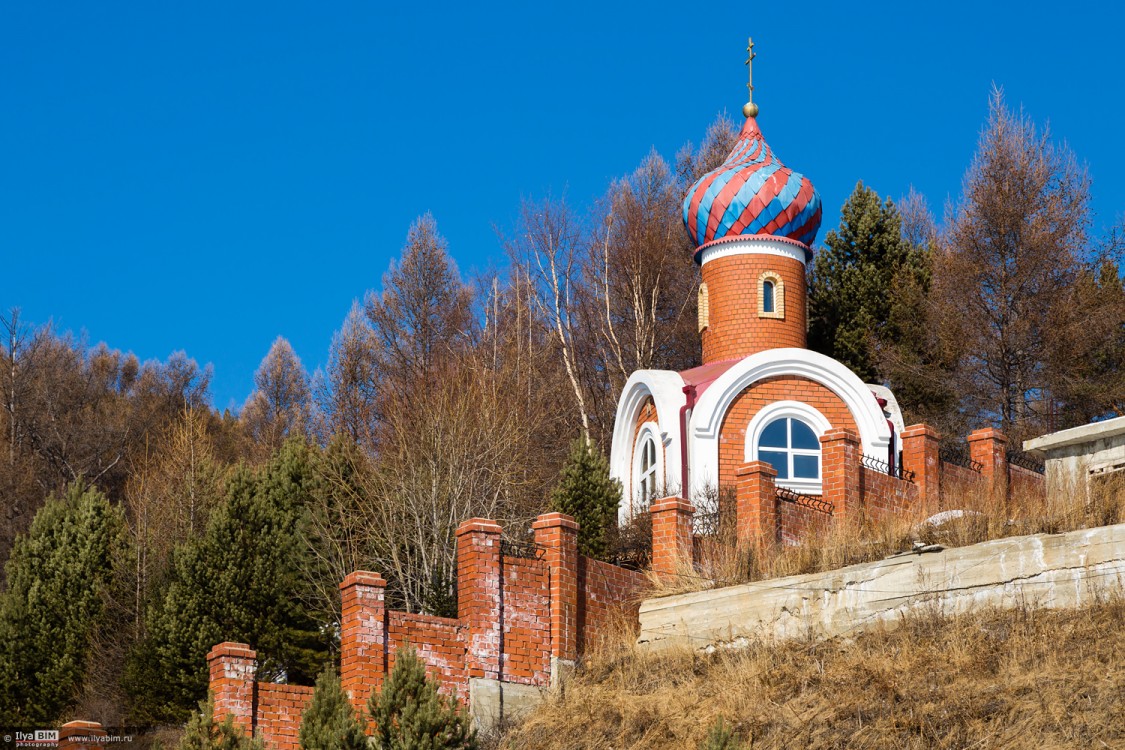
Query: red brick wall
[[798, 521], [884, 495], [732, 437], [279, 713], [1023, 482], [956, 481], [607, 593], [526, 648], [734, 329], [439, 642]]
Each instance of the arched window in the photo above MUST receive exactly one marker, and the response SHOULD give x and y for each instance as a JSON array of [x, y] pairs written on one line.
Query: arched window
[[792, 447], [646, 481], [771, 296], [704, 307]]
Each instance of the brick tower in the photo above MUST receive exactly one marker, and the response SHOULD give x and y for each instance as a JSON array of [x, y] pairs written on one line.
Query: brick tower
[[753, 220]]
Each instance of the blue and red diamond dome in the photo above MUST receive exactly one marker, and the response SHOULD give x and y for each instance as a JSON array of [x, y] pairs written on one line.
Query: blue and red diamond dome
[[752, 193]]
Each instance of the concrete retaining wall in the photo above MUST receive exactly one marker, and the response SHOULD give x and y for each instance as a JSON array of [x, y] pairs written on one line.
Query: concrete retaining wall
[[1050, 570]]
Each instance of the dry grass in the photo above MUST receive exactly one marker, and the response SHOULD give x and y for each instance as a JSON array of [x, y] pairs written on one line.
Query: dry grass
[[1014, 678], [865, 539]]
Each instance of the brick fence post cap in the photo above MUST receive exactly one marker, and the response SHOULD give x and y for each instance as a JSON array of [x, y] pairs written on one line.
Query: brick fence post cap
[[840, 433], [987, 433], [672, 503], [481, 525], [229, 649], [756, 467], [81, 724], [916, 430], [363, 578], [554, 520]]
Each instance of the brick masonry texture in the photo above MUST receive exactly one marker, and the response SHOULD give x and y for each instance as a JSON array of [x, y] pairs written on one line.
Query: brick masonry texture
[[732, 437], [515, 613], [734, 329]]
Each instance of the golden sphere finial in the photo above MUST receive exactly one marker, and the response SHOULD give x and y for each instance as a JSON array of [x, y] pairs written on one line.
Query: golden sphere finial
[[750, 109]]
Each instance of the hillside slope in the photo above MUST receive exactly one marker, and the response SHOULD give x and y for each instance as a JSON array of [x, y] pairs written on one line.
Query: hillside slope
[[1017, 678]]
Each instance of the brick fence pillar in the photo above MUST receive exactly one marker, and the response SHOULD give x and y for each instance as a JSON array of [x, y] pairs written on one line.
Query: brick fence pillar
[[920, 454], [478, 594], [840, 470], [363, 633], [81, 735], [557, 534], [233, 667], [671, 536], [989, 447], [756, 503]]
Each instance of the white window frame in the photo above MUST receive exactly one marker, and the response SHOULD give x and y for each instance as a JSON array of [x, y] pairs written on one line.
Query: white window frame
[[648, 431], [793, 410]]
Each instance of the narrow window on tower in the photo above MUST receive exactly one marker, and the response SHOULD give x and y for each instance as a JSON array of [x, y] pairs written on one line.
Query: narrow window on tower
[[771, 296], [704, 307]]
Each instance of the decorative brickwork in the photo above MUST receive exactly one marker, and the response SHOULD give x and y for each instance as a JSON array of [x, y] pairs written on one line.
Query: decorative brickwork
[[278, 720], [363, 628], [756, 504], [734, 329], [989, 448], [841, 471], [232, 668], [920, 454], [520, 619], [671, 536], [732, 438]]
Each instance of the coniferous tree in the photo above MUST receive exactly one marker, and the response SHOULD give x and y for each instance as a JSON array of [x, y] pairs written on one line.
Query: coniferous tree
[[54, 604], [243, 580], [852, 281], [204, 733], [587, 492], [330, 723], [410, 714]]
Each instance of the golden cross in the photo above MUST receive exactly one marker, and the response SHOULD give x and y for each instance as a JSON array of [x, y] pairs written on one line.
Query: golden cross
[[750, 67]]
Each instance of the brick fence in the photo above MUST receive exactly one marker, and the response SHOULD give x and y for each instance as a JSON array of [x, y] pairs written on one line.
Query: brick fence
[[522, 620], [853, 487]]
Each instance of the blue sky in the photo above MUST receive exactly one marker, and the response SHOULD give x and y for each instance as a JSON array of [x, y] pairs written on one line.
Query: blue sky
[[208, 176]]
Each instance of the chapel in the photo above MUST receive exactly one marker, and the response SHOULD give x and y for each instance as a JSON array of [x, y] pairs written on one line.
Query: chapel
[[759, 393]]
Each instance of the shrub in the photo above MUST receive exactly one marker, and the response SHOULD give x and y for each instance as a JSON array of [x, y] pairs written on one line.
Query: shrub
[[410, 714], [329, 723]]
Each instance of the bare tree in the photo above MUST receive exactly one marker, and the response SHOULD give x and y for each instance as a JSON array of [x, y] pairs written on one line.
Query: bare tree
[[346, 392], [280, 403], [548, 250], [1017, 237]]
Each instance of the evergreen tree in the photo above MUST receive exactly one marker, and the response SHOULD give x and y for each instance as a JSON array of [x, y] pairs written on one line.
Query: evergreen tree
[[57, 579], [721, 738], [330, 723], [852, 280], [587, 492], [410, 714], [202, 733], [243, 580]]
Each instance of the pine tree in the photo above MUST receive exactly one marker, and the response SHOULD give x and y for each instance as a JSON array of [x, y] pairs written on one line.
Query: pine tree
[[587, 492], [852, 280], [721, 738], [243, 580], [57, 578], [330, 723], [410, 714], [202, 733]]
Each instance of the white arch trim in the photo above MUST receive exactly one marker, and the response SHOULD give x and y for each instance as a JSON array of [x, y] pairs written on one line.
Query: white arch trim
[[666, 389], [648, 429], [778, 410], [707, 418]]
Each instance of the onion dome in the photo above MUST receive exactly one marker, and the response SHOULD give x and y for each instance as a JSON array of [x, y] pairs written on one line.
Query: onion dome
[[752, 193]]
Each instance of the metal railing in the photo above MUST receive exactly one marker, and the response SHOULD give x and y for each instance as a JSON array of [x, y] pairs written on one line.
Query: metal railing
[[885, 468], [1026, 461], [815, 502], [525, 550], [958, 454]]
